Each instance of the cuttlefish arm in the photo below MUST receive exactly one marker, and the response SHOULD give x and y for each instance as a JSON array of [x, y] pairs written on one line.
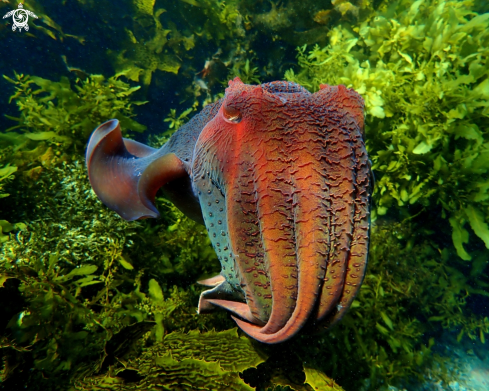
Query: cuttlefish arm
[[126, 174], [291, 172]]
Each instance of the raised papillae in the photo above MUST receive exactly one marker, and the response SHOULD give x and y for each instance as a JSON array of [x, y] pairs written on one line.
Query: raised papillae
[[281, 179]]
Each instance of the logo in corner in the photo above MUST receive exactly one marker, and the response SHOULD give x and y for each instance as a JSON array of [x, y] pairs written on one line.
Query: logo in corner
[[20, 17]]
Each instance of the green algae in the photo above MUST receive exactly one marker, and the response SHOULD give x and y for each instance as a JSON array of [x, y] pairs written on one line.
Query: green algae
[[142, 58], [422, 72], [6, 173], [421, 68], [155, 43], [6, 227], [247, 73], [76, 292], [319, 381], [185, 361], [75, 269], [64, 114], [175, 121], [167, 373]]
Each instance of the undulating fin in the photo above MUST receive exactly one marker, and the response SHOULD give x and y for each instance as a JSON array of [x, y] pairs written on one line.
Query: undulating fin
[[125, 174]]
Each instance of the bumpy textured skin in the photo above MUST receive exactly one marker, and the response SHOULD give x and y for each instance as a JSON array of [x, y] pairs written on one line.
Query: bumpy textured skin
[[283, 181]]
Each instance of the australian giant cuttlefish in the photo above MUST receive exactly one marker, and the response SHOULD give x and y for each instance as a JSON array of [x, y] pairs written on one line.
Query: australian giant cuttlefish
[[281, 179]]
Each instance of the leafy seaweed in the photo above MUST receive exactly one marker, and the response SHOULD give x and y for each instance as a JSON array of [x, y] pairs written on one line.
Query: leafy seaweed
[[420, 68], [60, 113], [319, 381], [83, 280], [185, 361], [6, 175]]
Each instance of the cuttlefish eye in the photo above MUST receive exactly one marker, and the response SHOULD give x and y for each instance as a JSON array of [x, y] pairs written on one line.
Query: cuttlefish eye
[[231, 114]]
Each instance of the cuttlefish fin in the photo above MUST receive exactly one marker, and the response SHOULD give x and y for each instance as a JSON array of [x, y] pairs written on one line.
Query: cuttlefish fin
[[125, 174]]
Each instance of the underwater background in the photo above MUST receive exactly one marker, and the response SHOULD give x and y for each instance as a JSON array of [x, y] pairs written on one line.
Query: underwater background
[[89, 301]]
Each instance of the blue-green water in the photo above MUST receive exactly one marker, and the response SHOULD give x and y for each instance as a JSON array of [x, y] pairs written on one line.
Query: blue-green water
[[90, 301]]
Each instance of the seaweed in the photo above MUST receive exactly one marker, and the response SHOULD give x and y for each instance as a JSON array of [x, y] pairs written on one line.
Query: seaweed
[[79, 282], [184, 361], [143, 56], [62, 114], [176, 122], [155, 43], [194, 361], [421, 72], [319, 381], [246, 72], [420, 68], [75, 266], [6, 175]]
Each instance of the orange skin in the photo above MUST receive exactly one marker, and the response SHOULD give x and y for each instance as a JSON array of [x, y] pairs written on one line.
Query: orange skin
[[296, 176], [283, 182]]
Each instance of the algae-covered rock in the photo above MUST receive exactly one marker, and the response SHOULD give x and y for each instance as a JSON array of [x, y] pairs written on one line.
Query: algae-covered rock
[[194, 361]]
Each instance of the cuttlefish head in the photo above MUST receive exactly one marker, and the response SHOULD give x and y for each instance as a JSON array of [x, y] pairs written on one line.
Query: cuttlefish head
[[282, 176], [281, 179]]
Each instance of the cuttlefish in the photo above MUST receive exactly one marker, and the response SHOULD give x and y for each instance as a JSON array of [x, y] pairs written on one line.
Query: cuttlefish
[[281, 179]]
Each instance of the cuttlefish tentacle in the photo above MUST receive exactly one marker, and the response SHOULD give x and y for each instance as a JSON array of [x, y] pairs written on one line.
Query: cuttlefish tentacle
[[291, 232], [358, 254], [213, 281]]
